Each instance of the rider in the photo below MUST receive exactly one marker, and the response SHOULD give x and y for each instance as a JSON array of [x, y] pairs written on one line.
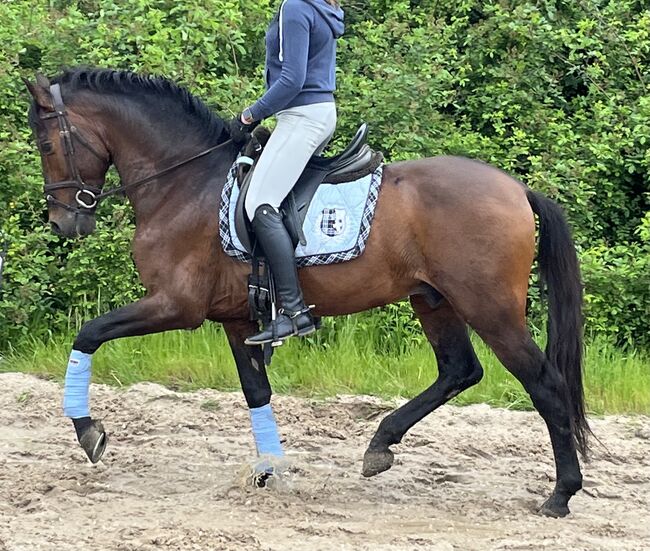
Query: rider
[[300, 77]]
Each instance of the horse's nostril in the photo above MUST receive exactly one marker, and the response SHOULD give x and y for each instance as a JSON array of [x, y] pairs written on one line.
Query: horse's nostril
[[55, 228]]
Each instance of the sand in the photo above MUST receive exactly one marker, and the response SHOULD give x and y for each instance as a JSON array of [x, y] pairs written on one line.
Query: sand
[[175, 476]]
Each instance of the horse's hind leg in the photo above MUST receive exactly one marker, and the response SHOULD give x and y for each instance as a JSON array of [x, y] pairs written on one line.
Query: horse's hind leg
[[458, 369], [511, 342]]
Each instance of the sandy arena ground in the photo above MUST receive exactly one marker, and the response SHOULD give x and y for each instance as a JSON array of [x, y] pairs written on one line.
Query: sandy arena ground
[[174, 478]]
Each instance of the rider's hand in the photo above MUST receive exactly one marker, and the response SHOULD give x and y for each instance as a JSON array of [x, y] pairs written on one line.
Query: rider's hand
[[241, 126]]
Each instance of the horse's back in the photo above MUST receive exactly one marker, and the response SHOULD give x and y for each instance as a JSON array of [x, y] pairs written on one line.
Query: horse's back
[[454, 178]]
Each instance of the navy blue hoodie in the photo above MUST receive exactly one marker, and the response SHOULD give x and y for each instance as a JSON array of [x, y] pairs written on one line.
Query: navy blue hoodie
[[300, 56]]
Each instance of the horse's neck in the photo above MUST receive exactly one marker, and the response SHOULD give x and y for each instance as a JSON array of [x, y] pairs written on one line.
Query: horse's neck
[[140, 156]]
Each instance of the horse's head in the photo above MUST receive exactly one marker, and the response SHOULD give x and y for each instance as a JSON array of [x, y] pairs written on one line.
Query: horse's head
[[73, 156]]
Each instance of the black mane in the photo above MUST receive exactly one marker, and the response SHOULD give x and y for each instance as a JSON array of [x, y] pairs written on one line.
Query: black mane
[[207, 123]]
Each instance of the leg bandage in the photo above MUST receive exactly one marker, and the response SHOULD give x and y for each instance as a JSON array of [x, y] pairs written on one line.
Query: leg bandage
[[265, 431], [77, 383]]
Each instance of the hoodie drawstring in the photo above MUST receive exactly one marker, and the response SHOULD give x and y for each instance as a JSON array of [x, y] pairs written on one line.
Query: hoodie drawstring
[[281, 55]]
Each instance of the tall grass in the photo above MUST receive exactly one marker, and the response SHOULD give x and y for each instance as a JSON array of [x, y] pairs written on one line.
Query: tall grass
[[348, 356]]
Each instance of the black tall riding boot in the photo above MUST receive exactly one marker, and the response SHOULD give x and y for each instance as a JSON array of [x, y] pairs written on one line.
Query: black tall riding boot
[[294, 318]]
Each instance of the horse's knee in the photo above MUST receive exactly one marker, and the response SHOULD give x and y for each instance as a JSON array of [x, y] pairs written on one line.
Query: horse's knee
[[167, 315], [88, 339]]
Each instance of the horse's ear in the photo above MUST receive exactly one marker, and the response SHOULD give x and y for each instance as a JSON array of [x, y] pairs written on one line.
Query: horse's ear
[[40, 91]]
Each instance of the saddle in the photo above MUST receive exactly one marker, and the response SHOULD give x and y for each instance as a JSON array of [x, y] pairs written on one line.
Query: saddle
[[356, 161]]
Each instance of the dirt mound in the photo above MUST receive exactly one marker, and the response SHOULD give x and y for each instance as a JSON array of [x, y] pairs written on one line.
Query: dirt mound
[[174, 478]]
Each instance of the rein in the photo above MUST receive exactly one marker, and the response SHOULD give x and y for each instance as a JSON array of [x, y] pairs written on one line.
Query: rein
[[167, 170], [67, 132]]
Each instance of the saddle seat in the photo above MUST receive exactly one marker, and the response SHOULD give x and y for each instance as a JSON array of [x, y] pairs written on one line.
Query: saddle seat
[[340, 161], [356, 161]]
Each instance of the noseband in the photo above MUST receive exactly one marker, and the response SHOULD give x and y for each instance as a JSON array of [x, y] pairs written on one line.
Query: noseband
[[88, 197]]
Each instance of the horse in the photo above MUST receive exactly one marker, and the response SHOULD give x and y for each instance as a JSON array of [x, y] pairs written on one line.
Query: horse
[[455, 236]]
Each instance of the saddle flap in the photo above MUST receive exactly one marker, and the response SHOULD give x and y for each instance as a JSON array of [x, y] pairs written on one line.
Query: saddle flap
[[337, 229], [242, 224]]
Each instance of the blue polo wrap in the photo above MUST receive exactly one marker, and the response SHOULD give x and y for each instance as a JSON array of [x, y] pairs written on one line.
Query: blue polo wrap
[[77, 384], [265, 431]]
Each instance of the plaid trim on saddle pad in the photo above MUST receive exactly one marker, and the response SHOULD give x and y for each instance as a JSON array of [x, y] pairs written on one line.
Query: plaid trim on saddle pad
[[336, 227]]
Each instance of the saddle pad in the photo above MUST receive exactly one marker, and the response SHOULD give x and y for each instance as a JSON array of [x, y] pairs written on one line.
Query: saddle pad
[[336, 227]]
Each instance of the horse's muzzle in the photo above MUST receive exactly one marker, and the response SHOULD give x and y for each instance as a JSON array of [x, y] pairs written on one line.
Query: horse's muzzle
[[73, 225]]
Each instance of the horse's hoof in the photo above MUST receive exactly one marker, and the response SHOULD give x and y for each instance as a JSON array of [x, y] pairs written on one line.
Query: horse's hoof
[[554, 507], [265, 469], [375, 462], [260, 479], [94, 441]]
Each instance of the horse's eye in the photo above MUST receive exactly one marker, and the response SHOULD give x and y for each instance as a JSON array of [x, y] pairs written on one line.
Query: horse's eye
[[46, 148]]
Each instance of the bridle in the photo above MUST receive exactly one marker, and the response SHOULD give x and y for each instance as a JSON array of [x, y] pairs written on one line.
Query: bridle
[[87, 196], [66, 133]]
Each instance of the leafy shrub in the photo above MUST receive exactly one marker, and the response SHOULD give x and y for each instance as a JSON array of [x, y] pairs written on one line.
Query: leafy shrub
[[554, 93], [617, 294]]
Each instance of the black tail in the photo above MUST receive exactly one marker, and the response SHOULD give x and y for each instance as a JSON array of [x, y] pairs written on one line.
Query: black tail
[[560, 274]]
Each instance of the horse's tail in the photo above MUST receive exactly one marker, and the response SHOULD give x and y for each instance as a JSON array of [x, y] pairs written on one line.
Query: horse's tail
[[560, 274]]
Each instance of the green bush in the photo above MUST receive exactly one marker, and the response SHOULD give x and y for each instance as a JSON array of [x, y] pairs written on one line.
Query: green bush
[[554, 93], [618, 289]]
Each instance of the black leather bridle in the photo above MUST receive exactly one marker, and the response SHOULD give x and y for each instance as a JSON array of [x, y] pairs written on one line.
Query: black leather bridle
[[87, 196]]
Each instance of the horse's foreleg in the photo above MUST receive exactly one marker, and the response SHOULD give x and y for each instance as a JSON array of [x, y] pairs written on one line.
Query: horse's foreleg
[[257, 391], [151, 314], [458, 369]]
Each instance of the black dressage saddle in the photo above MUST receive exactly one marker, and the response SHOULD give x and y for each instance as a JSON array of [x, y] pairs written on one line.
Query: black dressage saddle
[[356, 161]]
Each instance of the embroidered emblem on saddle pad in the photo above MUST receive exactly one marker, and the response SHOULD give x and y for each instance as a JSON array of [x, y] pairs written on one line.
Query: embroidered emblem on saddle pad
[[332, 222], [336, 227]]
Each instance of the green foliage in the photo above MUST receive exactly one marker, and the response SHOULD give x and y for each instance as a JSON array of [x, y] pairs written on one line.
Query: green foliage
[[618, 284], [555, 93], [52, 282]]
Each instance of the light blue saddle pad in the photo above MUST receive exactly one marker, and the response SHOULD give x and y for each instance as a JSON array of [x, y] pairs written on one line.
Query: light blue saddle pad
[[336, 227]]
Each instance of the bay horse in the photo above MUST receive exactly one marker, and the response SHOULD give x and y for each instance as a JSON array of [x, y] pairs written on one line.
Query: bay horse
[[454, 235]]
